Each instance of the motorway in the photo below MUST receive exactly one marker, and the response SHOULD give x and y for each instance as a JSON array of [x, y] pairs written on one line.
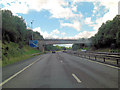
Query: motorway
[[59, 70]]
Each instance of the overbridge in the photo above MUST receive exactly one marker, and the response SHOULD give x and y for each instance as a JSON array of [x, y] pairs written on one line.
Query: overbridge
[[43, 42]]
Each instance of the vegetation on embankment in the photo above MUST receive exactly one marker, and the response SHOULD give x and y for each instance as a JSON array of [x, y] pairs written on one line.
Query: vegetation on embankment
[[107, 50], [14, 29], [13, 53], [0, 53], [15, 39], [108, 35], [106, 39]]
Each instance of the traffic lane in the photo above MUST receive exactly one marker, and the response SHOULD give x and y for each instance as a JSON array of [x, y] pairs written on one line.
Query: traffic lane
[[28, 77], [84, 77], [11, 69], [106, 74], [46, 73], [92, 74], [102, 68], [59, 72], [69, 72], [59, 78]]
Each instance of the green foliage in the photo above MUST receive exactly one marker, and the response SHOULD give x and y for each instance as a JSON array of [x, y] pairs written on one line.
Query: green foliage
[[75, 47], [15, 38], [13, 53], [80, 46], [108, 34], [14, 29]]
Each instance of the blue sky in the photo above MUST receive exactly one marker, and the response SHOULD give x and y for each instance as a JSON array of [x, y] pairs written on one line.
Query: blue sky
[[68, 19]]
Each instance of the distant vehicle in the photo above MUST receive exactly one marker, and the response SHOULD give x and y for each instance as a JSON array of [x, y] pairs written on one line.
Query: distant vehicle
[[83, 50], [64, 51], [53, 51]]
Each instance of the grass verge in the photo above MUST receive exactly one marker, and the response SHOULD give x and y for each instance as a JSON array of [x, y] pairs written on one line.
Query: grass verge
[[12, 53], [107, 50]]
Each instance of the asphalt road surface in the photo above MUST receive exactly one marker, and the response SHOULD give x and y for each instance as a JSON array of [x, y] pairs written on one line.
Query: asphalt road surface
[[59, 70]]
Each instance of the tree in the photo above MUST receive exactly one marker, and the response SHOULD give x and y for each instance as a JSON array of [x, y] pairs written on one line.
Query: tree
[[108, 34], [14, 29]]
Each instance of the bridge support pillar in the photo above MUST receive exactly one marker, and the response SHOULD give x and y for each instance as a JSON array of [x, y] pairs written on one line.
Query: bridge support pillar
[[41, 48]]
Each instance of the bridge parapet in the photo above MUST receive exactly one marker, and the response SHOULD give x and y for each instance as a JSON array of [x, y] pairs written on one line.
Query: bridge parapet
[[62, 41], [43, 42]]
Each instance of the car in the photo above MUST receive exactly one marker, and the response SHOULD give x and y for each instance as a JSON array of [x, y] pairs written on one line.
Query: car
[[53, 51], [83, 50], [64, 51]]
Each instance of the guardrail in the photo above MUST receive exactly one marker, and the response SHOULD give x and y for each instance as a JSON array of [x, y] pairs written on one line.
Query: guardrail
[[105, 57]]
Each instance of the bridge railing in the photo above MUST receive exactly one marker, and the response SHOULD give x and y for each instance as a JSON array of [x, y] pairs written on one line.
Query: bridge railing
[[105, 57]]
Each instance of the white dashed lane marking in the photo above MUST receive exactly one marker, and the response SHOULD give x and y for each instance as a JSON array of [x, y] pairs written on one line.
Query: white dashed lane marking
[[77, 79]]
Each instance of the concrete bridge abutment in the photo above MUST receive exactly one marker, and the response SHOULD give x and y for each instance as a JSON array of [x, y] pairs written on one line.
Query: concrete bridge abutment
[[41, 48]]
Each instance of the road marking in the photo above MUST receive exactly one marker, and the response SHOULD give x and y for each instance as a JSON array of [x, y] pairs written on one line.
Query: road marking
[[78, 80], [18, 73], [104, 64]]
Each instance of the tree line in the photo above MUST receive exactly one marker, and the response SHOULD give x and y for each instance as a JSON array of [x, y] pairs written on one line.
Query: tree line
[[14, 29], [108, 36]]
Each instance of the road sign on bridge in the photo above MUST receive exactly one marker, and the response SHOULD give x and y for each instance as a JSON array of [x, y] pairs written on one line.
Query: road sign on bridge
[[33, 43]]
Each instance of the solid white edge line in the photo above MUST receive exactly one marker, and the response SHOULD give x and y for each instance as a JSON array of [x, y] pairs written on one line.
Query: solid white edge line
[[104, 64], [18, 73], [101, 63], [78, 80]]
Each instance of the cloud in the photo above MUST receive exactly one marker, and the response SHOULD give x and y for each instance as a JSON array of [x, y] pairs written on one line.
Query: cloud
[[63, 33], [76, 25], [95, 24], [54, 34], [62, 13], [15, 6], [43, 33], [58, 8], [85, 34], [96, 7], [46, 35], [55, 7], [74, 7], [76, 1], [111, 7], [55, 31], [88, 21], [113, 10]]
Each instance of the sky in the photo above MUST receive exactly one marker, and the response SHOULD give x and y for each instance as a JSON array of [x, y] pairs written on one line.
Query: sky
[[63, 19]]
